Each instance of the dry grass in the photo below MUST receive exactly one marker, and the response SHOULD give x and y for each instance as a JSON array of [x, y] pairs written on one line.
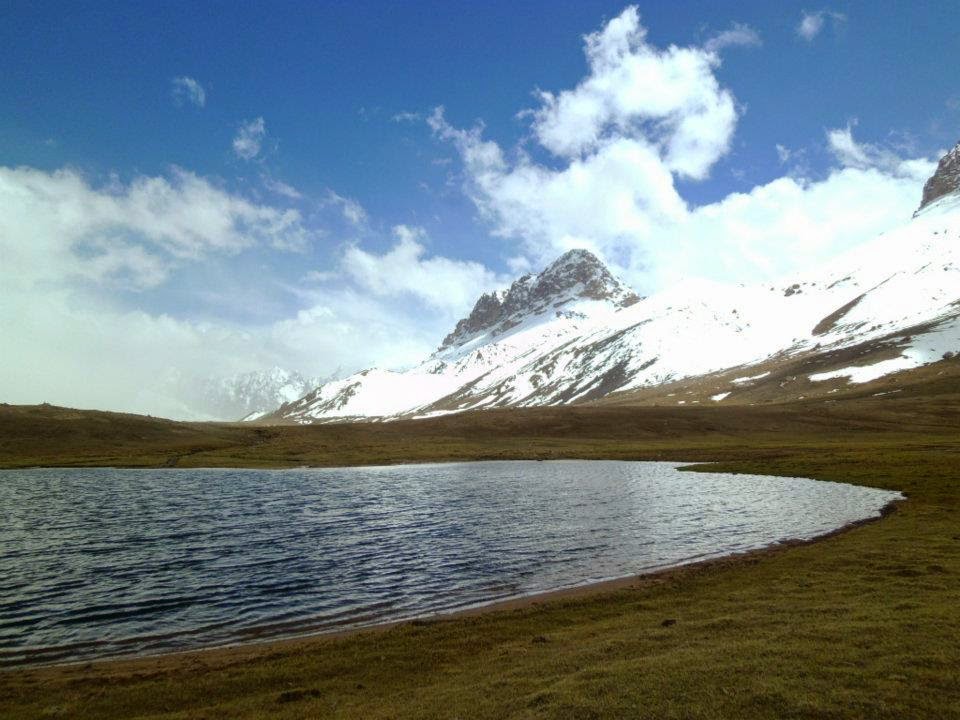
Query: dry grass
[[863, 624], [51, 436]]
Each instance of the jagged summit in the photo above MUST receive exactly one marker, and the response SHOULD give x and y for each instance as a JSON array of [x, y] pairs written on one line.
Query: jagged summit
[[580, 271], [945, 180], [575, 275]]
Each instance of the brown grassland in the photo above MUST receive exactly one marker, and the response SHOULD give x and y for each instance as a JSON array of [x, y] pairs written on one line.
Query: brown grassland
[[865, 623]]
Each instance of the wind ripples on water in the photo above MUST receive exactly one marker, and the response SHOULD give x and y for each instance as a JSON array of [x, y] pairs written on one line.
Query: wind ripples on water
[[102, 562]]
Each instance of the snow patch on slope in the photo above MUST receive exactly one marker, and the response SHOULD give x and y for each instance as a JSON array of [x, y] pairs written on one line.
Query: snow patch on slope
[[927, 348], [750, 378]]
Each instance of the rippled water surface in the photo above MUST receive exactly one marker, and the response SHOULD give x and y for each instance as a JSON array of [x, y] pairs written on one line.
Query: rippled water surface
[[100, 562]]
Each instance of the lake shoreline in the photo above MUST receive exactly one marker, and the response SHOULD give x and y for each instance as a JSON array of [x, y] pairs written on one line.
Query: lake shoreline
[[859, 624], [271, 643]]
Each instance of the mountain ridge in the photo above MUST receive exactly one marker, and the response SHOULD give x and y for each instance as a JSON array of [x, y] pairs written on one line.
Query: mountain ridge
[[574, 333]]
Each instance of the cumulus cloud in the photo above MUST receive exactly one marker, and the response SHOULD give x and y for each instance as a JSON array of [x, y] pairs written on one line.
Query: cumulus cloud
[[186, 89], [249, 139], [642, 119], [666, 100], [604, 201], [58, 224], [451, 286], [812, 23], [70, 338], [327, 329]]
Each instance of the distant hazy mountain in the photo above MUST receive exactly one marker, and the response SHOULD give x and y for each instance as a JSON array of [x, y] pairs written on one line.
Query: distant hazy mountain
[[576, 333], [252, 394]]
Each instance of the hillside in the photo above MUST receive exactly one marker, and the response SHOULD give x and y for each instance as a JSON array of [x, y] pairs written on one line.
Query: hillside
[[575, 333], [626, 426]]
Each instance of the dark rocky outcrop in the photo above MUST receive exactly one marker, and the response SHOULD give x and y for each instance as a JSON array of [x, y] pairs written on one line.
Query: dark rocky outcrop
[[945, 180], [577, 274], [484, 315]]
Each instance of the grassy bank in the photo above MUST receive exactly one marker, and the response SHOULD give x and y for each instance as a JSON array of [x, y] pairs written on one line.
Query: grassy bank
[[863, 624], [50, 436]]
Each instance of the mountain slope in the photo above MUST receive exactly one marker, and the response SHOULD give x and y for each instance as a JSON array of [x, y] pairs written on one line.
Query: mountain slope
[[575, 333], [504, 331]]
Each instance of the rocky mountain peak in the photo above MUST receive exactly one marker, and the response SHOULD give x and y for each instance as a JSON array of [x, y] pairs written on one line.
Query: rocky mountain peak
[[575, 275], [581, 272], [945, 180]]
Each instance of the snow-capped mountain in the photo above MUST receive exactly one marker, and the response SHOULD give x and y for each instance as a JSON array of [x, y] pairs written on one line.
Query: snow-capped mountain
[[576, 333], [253, 394], [577, 275]]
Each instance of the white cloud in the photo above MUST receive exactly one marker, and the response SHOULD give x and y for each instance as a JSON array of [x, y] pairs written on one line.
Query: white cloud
[[852, 154], [327, 331], [69, 338], [249, 139], [812, 23], [667, 100], [57, 225], [784, 154], [281, 188], [738, 35], [786, 225], [621, 203], [604, 201], [846, 149], [186, 89], [352, 210], [67, 349], [451, 286], [611, 187], [406, 116]]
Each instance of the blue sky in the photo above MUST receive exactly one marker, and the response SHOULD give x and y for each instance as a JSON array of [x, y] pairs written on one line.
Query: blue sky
[[125, 124]]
